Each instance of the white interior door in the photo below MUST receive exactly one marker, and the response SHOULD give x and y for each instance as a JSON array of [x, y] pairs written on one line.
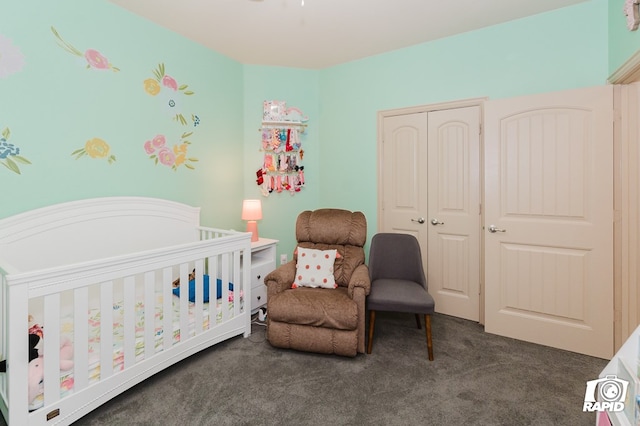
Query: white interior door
[[404, 176], [430, 172], [549, 192], [453, 189]]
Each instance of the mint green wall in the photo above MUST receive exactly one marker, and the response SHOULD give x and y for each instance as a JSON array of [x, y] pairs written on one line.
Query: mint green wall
[[54, 104], [622, 42], [558, 50], [299, 88]]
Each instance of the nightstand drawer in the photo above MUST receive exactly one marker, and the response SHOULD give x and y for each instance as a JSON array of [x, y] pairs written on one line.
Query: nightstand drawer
[[258, 296], [258, 273], [263, 261]]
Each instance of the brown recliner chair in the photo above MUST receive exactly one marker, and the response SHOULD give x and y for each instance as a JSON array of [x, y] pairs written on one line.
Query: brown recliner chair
[[322, 320]]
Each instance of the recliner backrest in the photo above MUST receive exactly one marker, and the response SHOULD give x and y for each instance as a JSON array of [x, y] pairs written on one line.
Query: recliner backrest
[[343, 230]]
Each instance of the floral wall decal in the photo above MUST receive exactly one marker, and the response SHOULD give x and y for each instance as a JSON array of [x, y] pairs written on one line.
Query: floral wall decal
[[11, 58], [175, 156], [95, 60], [95, 148], [10, 154], [169, 93]]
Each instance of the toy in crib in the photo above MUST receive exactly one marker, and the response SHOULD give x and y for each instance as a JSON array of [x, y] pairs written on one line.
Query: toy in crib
[[35, 334], [35, 328], [36, 360], [192, 276], [192, 288], [34, 339], [36, 368]]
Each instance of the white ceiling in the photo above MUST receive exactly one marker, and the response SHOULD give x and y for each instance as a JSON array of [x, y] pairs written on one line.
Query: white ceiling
[[323, 33]]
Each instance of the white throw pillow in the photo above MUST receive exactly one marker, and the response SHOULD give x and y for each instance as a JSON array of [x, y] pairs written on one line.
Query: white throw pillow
[[315, 268]]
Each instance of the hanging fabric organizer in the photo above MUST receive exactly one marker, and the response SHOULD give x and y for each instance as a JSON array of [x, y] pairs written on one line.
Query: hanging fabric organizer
[[282, 168]]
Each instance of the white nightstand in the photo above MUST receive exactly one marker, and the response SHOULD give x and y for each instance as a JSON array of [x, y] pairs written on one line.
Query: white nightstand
[[263, 261]]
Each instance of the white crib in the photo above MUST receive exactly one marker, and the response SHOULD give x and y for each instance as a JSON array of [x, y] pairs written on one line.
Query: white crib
[[115, 259]]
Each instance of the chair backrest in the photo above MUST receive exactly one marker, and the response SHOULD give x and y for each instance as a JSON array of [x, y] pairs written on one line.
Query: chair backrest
[[397, 256], [343, 230]]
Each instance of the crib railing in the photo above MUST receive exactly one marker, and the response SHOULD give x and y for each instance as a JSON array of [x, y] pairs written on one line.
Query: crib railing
[[128, 281]]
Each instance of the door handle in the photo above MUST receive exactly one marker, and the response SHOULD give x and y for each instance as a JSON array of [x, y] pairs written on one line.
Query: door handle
[[493, 229], [435, 221], [420, 221]]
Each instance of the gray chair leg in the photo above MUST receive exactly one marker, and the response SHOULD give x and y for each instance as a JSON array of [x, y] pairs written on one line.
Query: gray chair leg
[[427, 321], [372, 324], [418, 321]]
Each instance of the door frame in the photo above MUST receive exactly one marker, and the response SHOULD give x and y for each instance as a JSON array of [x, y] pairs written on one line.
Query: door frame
[[626, 237], [471, 102]]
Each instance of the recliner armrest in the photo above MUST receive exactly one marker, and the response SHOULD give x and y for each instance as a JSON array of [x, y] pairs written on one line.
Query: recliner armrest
[[359, 278], [281, 278]]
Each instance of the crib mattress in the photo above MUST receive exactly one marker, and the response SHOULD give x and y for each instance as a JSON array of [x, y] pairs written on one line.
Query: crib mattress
[[66, 377]]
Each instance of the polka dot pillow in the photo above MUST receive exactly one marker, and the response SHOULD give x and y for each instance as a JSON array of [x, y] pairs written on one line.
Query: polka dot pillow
[[315, 268]]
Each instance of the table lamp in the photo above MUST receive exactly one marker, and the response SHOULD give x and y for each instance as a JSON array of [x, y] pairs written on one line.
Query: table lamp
[[252, 211]]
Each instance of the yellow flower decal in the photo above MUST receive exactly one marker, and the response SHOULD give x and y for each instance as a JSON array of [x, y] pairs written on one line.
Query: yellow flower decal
[[151, 86], [95, 148], [181, 153]]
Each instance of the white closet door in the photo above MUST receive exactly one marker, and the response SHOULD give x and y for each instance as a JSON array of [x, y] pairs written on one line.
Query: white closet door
[[549, 192], [453, 270], [430, 184]]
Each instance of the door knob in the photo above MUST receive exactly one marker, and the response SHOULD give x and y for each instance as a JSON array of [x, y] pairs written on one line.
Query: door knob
[[421, 220], [436, 222], [493, 229]]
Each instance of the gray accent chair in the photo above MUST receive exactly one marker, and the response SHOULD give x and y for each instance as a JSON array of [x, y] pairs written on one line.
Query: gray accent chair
[[398, 282]]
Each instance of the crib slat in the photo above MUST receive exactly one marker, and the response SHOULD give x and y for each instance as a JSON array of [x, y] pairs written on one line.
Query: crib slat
[[224, 305], [184, 302], [129, 306], [199, 305], [213, 295], [149, 314], [81, 338], [4, 342], [106, 330], [167, 308], [17, 308], [52, 348], [247, 297], [238, 286]]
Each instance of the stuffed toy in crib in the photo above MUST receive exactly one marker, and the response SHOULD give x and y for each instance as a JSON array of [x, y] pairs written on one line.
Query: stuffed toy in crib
[[34, 339], [36, 368], [36, 364]]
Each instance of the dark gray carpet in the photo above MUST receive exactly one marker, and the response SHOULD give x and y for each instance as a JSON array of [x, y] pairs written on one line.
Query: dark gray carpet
[[475, 379]]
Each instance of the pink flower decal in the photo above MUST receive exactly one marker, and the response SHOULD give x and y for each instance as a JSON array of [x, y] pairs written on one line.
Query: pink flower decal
[[11, 58], [171, 156], [95, 60], [159, 141], [170, 82], [154, 144], [166, 157], [148, 147]]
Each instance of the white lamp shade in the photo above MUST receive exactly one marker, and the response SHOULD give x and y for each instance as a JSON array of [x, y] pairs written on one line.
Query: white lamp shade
[[251, 210]]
